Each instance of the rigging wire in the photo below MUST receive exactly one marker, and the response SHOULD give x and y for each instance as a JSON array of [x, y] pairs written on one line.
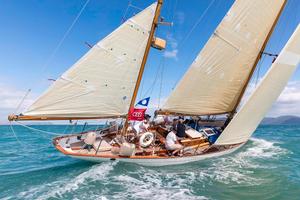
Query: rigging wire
[[182, 42], [37, 130], [196, 24], [172, 15], [174, 9], [136, 7], [64, 37], [258, 69], [22, 100], [281, 29], [125, 13], [47, 132], [15, 135], [151, 86], [283, 24], [161, 84]]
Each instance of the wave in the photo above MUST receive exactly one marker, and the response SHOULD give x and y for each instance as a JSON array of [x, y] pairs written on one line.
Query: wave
[[264, 149], [239, 167]]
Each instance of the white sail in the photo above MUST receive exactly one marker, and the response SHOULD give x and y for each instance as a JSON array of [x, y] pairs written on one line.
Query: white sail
[[250, 115], [214, 81], [101, 83]]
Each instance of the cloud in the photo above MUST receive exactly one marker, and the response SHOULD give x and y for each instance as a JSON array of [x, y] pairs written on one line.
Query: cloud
[[171, 54], [173, 51], [180, 17], [172, 41], [288, 103], [10, 99]]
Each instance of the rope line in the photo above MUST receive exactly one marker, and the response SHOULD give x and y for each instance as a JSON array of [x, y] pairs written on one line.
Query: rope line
[[38, 130]]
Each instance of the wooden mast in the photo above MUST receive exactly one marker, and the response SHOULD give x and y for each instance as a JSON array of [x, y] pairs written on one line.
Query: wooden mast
[[232, 113], [147, 50]]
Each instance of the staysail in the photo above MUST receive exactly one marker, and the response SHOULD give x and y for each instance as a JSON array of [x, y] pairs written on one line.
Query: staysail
[[216, 78], [101, 83], [252, 112]]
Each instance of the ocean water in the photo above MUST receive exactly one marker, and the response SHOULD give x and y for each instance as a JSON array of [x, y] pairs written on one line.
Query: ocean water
[[267, 167]]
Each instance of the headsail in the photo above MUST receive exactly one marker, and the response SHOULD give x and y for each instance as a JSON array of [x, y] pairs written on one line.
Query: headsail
[[215, 80], [250, 115], [101, 83]]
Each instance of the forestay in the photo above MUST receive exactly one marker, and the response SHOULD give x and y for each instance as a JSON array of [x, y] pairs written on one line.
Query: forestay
[[215, 80], [101, 83], [252, 112]]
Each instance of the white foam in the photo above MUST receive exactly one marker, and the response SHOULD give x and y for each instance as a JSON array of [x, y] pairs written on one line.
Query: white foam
[[263, 149], [65, 185], [239, 167], [152, 184]]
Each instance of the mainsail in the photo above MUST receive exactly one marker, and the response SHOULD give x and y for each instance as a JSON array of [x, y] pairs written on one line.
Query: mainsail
[[216, 78], [101, 83], [252, 112]]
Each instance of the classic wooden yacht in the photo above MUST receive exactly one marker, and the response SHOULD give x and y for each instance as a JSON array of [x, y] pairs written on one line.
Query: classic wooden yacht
[[104, 84]]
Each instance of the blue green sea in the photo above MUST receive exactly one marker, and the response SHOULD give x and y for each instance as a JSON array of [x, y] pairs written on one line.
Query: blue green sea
[[267, 167]]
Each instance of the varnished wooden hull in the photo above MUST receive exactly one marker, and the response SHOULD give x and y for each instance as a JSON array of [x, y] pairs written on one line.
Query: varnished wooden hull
[[147, 160], [159, 161]]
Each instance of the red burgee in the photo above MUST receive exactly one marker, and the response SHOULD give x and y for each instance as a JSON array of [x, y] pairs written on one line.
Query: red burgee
[[136, 114]]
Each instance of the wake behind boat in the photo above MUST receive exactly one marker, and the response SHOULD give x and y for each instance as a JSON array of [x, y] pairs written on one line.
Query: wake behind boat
[[104, 84]]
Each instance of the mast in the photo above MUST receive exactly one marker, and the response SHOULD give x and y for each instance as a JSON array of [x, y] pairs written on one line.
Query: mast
[[232, 113], [145, 57]]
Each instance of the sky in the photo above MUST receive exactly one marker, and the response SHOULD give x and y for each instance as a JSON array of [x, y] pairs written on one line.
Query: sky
[[34, 46]]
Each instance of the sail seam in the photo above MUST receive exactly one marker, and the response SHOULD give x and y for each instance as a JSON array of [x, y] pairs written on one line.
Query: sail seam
[[226, 40], [140, 26]]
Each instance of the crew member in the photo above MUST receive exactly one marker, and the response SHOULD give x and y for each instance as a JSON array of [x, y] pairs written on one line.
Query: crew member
[[172, 143], [180, 129], [142, 126]]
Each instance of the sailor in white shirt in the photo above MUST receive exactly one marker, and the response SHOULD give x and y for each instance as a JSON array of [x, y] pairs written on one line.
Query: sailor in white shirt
[[142, 127], [172, 142]]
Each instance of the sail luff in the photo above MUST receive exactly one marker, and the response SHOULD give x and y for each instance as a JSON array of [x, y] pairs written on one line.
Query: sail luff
[[256, 61]]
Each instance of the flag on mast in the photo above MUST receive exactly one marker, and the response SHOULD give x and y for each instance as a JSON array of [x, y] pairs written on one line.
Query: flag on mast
[[143, 102]]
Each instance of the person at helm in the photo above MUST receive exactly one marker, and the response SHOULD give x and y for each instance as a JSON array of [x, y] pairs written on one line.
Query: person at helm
[[142, 126]]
